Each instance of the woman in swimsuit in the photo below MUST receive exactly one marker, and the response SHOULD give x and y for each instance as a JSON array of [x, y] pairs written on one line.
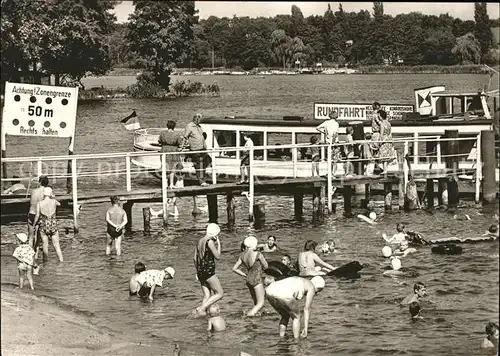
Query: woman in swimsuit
[[46, 216], [254, 261], [308, 259], [206, 252]]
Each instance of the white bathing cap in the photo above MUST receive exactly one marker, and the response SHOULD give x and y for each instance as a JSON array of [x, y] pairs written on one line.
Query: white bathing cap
[[170, 271], [318, 282], [47, 191], [396, 263], [372, 215], [213, 229], [251, 242], [22, 237], [387, 251]]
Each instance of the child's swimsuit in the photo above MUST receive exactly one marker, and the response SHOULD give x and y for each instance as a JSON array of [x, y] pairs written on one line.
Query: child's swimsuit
[[254, 274], [24, 254], [112, 231], [48, 224], [205, 266]]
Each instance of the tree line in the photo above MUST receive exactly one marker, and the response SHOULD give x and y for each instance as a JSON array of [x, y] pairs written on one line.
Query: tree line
[[74, 38]]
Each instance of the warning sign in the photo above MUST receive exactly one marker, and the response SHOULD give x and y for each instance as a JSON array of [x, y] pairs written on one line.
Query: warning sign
[[359, 111], [39, 110]]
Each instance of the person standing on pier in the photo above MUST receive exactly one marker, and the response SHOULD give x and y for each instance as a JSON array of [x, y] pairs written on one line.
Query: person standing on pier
[[206, 252], [36, 197], [330, 129], [116, 218], [193, 135], [171, 141], [245, 160], [375, 117], [46, 215]]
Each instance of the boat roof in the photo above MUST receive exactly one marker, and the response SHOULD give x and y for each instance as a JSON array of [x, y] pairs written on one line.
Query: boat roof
[[457, 93]]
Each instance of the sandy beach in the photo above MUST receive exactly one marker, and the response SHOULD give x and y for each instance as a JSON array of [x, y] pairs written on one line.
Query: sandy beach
[[33, 325]]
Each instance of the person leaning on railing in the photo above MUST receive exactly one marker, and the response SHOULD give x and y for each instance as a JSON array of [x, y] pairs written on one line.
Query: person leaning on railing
[[193, 135]]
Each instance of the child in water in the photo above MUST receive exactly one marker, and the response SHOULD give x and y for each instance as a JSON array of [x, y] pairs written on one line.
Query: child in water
[[270, 246], [152, 278], [116, 218], [24, 254], [328, 247], [134, 286], [415, 311], [419, 292], [399, 237], [308, 259], [215, 321], [491, 339]]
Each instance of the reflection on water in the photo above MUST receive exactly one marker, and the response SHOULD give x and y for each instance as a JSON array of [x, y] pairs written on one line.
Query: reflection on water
[[350, 317]]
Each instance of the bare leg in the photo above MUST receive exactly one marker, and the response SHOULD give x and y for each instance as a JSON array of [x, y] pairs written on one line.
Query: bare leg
[[242, 173], [109, 244], [29, 274], [316, 164], [118, 245], [21, 278], [252, 293], [172, 176], [296, 327], [55, 242], [218, 293], [283, 324], [312, 169], [259, 302], [206, 293], [45, 246], [31, 235]]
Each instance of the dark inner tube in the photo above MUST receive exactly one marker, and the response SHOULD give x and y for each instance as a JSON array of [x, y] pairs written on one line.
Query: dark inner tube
[[447, 249]]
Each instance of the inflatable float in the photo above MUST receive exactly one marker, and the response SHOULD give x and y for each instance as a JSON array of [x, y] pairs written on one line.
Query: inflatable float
[[458, 240], [279, 271], [447, 249]]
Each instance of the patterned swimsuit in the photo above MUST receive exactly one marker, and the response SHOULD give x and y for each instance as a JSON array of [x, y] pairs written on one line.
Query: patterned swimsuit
[[205, 266], [254, 274], [48, 224]]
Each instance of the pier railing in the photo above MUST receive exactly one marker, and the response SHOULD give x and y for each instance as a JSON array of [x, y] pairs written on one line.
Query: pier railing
[[121, 169]]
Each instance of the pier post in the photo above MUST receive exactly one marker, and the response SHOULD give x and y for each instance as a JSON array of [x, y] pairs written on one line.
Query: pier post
[[401, 185], [230, 211], [127, 206], [316, 205], [4, 153], [164, 185], [298, 203], [259, 215], [488, 169], [387, 196], [71, 167], [146, 217], [75, 195], [347, 201], [452, 158], [430, 193], [195, 211], [366, 201], [329, 177], [479, 169], [213, 213], [251, 182], [322, 201]]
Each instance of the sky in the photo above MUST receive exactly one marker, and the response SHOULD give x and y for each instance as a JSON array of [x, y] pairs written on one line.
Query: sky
[[462, 10]]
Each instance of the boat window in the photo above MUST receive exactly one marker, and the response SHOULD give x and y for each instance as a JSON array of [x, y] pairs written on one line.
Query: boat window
[[304, 153], [276, 139], [225, 138], [258, 140]]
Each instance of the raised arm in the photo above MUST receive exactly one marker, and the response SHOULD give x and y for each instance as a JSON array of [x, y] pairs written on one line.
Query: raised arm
[[215, 248], [320, 262], [262, 260], [236, 268]]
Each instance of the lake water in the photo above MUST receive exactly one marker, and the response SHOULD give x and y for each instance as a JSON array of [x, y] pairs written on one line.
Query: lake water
[[350, 317]]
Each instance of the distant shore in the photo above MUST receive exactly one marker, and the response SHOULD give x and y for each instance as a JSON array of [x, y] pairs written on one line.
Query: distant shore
[[367, 69]]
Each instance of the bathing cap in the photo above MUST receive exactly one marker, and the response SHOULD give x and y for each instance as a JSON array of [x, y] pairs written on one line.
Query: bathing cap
[[396, 263], [170, 271], [47, 191], [251, 242], [318, 282], [372, 215], [386, 251], [213, 229], [22, 237]]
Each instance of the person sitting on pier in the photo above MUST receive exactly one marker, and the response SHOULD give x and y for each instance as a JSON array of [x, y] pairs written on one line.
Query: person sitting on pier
[[116, 218], [315, 156], [46, 216], [308, 260], [134, 286], [151, 278], [270, 246], [419, 292], [245, 159]]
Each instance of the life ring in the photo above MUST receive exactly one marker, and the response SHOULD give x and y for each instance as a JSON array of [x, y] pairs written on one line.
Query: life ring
[[346, 270], [277, 269], [447, 249]]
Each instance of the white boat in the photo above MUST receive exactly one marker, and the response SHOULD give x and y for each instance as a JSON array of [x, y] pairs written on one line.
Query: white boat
[[276, 162]]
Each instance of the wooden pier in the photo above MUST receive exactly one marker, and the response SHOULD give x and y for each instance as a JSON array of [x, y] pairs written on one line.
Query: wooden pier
[[320, 189]]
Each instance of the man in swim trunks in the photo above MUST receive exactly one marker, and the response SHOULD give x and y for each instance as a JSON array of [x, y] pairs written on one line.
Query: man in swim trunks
[[36, 197], [116, 219], [285, 296]]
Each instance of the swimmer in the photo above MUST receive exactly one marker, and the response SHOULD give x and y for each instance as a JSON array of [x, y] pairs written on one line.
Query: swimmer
[[270, 246], [415, 311], [397, 238], [24, 254], [255, 263], [152, 278], [370, 219], [116, 218], [284, 297], [492, 232], [419, 292], [328, 247], [134, 286], [287, 261], [491, 339], [215, 321], [308, 259]]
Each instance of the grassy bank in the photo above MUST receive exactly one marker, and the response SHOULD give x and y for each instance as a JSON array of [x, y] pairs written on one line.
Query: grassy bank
[[423, 69]]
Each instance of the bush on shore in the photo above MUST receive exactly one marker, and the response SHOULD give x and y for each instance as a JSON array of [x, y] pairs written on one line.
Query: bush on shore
[[423, 69]]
